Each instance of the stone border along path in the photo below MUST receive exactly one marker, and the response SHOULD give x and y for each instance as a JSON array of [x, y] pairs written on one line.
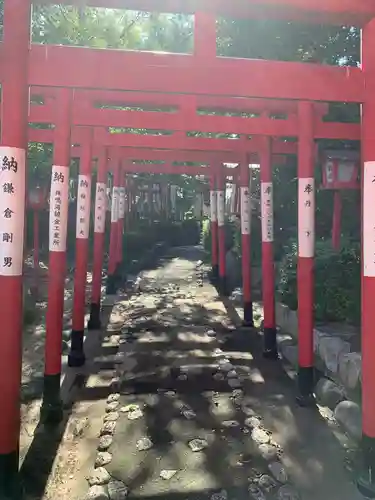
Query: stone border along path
[[183, 431], [339, 386], [339, 382]]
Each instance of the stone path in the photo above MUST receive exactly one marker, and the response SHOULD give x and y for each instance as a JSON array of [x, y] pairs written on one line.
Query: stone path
[[195, 412]]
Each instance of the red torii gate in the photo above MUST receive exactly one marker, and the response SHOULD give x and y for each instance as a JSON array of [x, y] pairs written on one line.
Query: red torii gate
[[218, 254], [147, 154], [200, 74], [86, 114], [185, 118]]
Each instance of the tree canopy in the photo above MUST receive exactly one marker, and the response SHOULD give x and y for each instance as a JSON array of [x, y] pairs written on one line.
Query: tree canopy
[[269, 39]]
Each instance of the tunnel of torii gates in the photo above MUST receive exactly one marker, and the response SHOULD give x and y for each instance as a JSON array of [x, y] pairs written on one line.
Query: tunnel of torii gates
[[69, 75]]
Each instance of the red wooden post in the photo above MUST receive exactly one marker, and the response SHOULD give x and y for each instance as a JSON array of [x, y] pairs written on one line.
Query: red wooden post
[[204, 35], [94, 322], [336, 221], [220, 179], [127, 204], [237, 196], [58, 224], [306, 248], [245, 203], [120, 225], [268, 274], [213, 222], [111, 288], [76, 355], [16, 39], [366, 481], [36, 246], [126, 222]]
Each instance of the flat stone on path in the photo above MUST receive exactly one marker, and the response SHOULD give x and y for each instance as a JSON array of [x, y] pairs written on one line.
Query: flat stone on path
[[108, 428], [253, 422], [189, 414], [97, 493], [135, 414], [127, 408], [230, 423], [237, 394], [112, 406], [99, 477], [225, 365], [328, 393], [168, 473], [112, 416], [103, 458], [105, 442], [144, 444], [198, 444], [113, 397], [170, 394], [117, 490], [348, 414], [260, 436], [267, 483]]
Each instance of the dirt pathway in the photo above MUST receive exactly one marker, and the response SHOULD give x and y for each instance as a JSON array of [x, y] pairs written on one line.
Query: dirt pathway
[[34, 333], [187, 409]]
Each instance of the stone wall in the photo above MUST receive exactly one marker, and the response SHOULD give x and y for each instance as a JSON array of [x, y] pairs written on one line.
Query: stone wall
[[340, 387]]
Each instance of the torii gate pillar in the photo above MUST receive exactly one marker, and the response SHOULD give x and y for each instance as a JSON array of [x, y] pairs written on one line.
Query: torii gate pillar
[[306, 250], [268, 266], [52, 408], [94, 322], [366, 481], [113, 247], [245, 198], [221, 228], [213, 222], [16, 40]]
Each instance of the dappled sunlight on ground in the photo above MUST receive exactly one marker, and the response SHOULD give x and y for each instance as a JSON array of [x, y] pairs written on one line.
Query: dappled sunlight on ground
[[191, 408]]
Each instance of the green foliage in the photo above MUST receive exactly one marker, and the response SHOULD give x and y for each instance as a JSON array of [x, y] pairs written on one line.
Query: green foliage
[[138, 241], [111, 28], [288, 41], [255, 240], [337, 281], [230, 236], [189, 230]]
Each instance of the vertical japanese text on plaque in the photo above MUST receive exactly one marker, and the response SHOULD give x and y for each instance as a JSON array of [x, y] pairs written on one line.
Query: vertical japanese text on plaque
[[83, 206], [306, 217], [12, 210]]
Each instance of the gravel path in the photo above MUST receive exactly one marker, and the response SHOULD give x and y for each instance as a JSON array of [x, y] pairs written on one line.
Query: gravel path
[[183, 407]]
